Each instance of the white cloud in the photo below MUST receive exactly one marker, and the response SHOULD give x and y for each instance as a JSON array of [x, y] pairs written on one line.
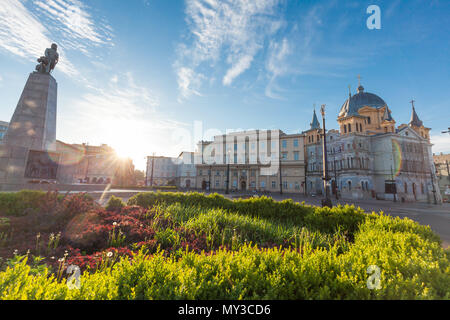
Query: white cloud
[[27, 28], [441, 143], [188, 82], [234, 29]]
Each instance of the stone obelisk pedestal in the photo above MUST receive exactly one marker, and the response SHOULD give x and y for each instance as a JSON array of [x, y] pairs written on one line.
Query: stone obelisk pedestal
[[32, 128]]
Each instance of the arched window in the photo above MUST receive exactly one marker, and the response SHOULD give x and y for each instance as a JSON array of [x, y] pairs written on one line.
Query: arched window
[[349, 185], [405, 185], [349, 127], [345, 128]]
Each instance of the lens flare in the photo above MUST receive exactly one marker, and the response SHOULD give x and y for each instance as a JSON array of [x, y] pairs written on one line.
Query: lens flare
[[397, 154]]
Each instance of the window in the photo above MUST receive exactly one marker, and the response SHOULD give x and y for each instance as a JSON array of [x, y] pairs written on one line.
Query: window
[[274, 184], [349, 127], [217, 183], [285, 184], [405, 186], [284, 155], [295, 142], [284, 144], [297, 185], [296, 155], [217, 173], [200, 172], [349, 183], [235, 147], [263, 184], [368, 120], [360, 127], [345, 128]]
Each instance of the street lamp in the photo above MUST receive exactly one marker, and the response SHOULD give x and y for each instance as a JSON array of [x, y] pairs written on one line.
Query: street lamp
[[227, 191], [327, 201]]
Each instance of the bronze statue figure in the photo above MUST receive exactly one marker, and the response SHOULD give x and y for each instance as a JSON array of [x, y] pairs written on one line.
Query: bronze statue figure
[[48, 62]]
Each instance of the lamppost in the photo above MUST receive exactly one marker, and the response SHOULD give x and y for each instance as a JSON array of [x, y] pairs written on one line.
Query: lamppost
[[146, 173], [209, 178], [227, 191], [153, 164], [335, 179], [327, 201], [281, 173]]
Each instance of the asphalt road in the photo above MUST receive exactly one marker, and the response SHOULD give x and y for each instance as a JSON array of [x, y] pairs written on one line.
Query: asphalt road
[[436, 216]]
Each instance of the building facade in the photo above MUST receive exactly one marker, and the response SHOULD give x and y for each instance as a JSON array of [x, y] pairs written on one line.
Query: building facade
[[3, 128], [257, 160], [442, 164], [82, 163], [369, 157], [161, 171], [186, 171]]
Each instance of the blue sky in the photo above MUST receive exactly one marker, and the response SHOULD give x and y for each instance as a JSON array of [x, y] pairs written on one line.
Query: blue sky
[[150, 76]]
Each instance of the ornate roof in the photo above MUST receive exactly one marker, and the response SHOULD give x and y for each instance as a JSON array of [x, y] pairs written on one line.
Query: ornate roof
[[315, 124], [359, 100], [415, 121], [387, 115]]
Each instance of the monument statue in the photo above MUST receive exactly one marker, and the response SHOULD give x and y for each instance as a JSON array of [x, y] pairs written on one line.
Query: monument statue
[[48, 62], [28, 147]]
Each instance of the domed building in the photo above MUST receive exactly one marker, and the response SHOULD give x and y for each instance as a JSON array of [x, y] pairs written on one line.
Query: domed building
[[365, 112], [369, 157]]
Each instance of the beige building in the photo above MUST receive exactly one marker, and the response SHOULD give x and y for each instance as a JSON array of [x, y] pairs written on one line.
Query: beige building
[[82, 163], [442, 164], [161, 171], [257, 160]]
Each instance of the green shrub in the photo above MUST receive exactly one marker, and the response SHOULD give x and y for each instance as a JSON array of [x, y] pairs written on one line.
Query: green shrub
[[17, 203], [115, 204], [285, 212], [331, 253], [251, 273]]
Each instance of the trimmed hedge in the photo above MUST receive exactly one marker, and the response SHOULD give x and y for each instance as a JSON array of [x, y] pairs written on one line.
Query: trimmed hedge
[[285, 212], [16, 203]]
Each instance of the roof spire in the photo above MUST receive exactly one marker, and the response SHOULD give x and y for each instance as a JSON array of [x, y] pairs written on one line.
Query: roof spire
[[387, 115], [360, 87], [415, 121], [315, 124], [349, 91]]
